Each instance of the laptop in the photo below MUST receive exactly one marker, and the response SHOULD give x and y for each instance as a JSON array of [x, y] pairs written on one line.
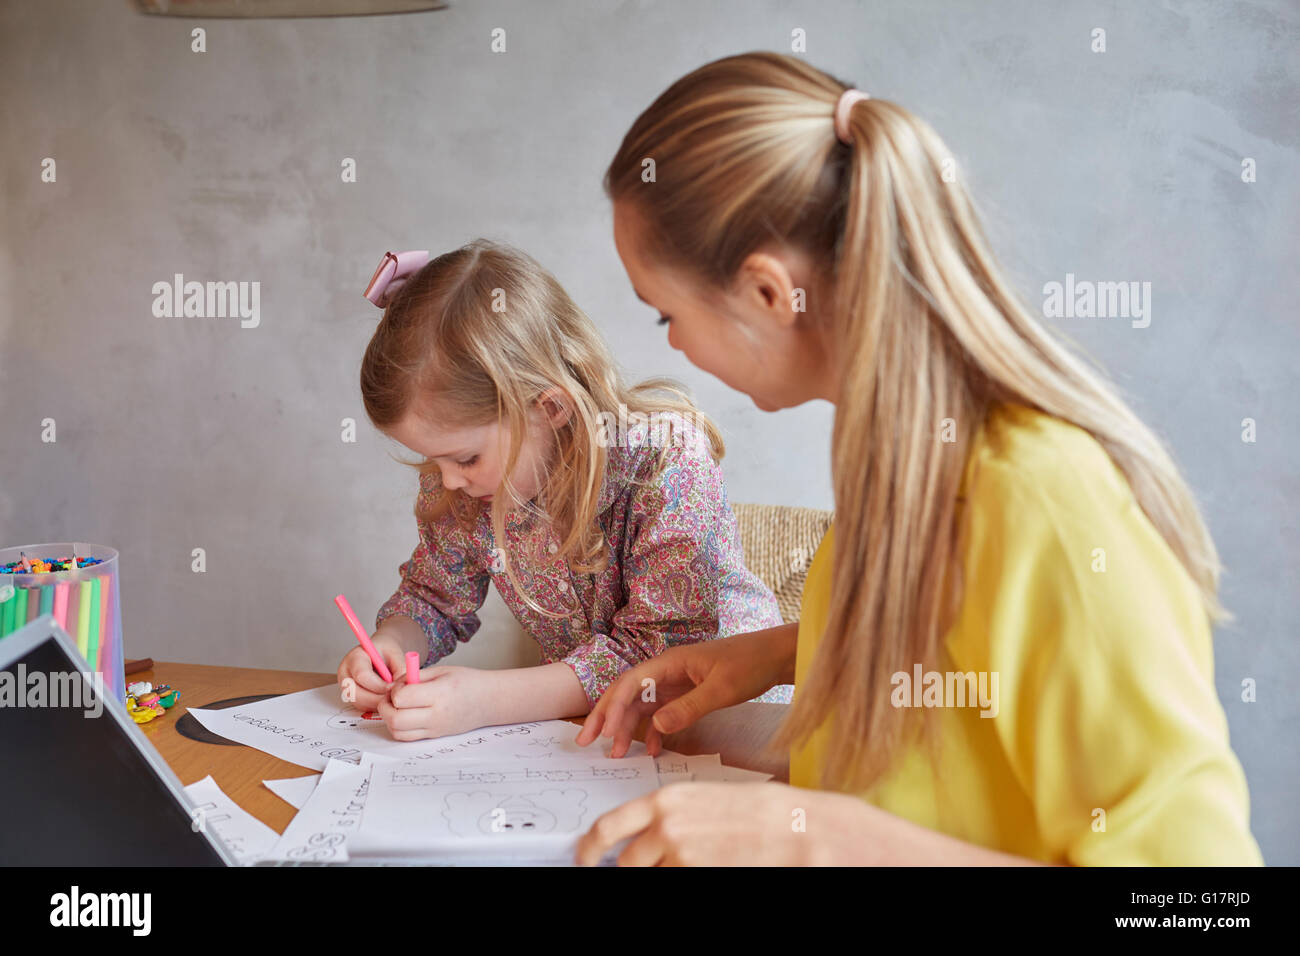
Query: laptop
[[83, 787]]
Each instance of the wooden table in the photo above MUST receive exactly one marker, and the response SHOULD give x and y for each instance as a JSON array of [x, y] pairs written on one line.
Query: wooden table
[[737, 733]]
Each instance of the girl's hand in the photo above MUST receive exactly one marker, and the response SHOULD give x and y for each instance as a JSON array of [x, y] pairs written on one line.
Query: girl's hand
[[739, 824], [448, 700], [362, 687], [688, 682]]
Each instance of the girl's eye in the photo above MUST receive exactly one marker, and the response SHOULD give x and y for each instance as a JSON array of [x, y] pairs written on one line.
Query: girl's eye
[[468, 462], [664, 320]]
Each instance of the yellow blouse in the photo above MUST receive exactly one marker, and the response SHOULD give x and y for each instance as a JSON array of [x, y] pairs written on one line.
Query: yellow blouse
[[1105, 743]]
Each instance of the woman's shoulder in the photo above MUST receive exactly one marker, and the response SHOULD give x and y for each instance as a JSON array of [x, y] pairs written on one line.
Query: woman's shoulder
[[1053, 528], [1031, 456]]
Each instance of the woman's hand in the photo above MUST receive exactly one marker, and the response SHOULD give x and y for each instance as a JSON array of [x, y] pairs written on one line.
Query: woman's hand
[[771, 824], [740, 824], [684, 683], [362, 687], [447, 700]]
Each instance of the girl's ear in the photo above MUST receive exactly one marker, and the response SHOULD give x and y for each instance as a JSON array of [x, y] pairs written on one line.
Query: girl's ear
[[556, 405]]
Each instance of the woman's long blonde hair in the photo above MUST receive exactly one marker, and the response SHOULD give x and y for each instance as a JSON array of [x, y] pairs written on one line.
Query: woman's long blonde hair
[[925, 327], [477, 336]]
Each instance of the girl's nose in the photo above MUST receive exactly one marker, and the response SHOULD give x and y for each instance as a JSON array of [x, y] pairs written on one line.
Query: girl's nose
[[450, 480]]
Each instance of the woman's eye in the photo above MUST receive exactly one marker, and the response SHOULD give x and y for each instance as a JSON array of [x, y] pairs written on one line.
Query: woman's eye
[[664, 320], [469, 462]]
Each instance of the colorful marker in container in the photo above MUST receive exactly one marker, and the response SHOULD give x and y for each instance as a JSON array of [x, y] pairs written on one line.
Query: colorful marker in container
[[95, 612], [61, 604], [412, 667], [380, 667], [8, 603], [83, 620]]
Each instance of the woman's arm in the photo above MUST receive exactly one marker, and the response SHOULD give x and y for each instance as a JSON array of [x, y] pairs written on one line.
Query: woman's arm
[[678, 687], [878, 838], [769, 824]]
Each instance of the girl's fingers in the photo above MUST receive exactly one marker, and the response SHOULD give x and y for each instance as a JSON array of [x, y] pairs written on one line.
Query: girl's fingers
[[411, 695], [364, 700], [400, 690], [410, 719], [408, 724], [405, 735], [369, 680]]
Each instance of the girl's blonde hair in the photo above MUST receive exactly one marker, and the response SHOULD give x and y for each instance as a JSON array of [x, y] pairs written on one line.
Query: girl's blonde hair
[[477, 336], [925, 327]]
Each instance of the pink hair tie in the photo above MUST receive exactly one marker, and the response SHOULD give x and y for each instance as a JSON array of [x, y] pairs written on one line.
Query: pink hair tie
[[392, 274], [842, 109]]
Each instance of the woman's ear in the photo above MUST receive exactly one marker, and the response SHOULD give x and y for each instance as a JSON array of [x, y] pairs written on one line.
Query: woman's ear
[[556, 406], [772, 282]]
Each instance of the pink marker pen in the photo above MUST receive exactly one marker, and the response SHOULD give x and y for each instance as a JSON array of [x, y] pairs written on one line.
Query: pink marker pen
[[412, 667], [380, 667]]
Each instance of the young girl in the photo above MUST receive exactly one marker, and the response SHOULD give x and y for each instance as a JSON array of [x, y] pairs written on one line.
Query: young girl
[[1005, 649], [598, 510]]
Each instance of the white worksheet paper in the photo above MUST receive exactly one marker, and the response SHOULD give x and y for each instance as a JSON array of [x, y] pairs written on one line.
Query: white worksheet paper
[[740, 775], [293, 790], [312, 727], [331, 814], [247, 837], [488, 809]]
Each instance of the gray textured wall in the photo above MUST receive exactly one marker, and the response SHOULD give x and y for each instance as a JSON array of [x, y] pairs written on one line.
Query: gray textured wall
[[182, 433]]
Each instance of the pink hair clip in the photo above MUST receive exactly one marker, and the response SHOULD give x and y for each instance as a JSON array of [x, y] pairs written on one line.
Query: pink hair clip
[[392, 274]]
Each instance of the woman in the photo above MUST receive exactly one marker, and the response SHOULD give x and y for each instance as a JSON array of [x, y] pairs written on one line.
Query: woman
[[1004, 653]]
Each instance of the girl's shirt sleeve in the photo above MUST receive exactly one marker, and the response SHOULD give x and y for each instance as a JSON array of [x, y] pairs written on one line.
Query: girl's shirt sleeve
[[443, 586], [1107, 709], [672, 567]]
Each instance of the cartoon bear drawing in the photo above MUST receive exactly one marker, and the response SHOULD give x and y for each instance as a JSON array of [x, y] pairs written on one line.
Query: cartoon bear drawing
[[518, 814]]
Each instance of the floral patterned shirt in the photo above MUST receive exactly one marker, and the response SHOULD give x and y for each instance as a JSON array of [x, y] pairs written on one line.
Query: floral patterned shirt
[[676, 571]]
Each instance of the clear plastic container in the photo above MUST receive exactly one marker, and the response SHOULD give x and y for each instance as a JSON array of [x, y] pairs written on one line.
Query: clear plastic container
[[86, 602]]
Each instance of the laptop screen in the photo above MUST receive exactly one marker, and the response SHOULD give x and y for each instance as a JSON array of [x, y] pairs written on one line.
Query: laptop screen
[[76, 790]]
